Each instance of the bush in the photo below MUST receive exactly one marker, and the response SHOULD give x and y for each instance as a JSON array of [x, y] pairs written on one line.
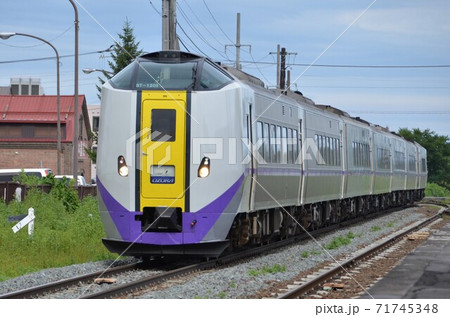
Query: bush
[[434, 190]]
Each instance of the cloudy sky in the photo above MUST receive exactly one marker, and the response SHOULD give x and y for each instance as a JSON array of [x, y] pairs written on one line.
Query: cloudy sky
[[385, 61]]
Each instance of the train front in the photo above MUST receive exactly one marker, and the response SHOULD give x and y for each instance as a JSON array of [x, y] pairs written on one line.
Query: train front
[[160, 191]]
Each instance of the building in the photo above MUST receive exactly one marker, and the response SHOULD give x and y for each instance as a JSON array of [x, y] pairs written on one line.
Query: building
[[28, 133], [24, 86]]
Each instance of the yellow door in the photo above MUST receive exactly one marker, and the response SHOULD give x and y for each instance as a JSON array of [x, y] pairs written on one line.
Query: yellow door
[[163, 149]]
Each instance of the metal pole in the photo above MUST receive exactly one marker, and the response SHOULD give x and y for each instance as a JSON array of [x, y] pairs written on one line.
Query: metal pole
[[238, 42], [165, 25], [278, 66], [76, 118]]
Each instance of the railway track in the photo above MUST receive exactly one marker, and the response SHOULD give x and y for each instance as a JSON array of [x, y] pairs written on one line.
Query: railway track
[[304, 288], [37, 291], [142, 283]]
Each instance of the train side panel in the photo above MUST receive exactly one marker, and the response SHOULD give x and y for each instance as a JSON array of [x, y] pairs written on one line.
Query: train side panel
[[323, 170]]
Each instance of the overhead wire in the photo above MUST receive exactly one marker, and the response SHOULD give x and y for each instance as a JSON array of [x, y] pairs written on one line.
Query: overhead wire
[[217, 23], [197, 32]]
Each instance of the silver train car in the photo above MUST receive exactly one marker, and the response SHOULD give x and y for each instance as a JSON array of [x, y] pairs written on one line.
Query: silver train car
[[195, 158]]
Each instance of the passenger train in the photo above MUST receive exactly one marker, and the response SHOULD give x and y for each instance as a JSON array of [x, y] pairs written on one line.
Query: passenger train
[[195, 158]]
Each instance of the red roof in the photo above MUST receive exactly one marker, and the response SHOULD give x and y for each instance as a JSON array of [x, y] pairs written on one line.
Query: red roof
[[40, 109]]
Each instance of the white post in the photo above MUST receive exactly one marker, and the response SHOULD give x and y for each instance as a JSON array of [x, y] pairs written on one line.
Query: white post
[[28, 220], [31, 223]]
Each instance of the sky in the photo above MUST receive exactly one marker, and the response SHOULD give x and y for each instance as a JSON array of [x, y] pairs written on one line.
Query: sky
[[385, 61]]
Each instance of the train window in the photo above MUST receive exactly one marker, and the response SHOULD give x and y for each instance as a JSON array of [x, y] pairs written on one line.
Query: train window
[[163, 125], [260, 136], [266, 143], [284, 145], [289, 146], [424, 165], [124, 78], [278, 136], [412, 163], [168, 76], [383, 159], [212, 78], [296, 160], [273, 144], [399, 160]]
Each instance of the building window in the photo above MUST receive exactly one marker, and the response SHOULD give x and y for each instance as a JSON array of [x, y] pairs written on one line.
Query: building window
[[95, 123]]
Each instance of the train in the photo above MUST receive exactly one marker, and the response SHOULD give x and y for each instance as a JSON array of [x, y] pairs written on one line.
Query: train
[[196, 158]]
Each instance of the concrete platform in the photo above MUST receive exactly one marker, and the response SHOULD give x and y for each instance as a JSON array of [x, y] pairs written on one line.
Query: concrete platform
[[425, 273]]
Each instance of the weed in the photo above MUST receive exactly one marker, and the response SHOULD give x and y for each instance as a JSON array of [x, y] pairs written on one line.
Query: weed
[[268, 270], [375, 228], [339, 241], [305, 254]]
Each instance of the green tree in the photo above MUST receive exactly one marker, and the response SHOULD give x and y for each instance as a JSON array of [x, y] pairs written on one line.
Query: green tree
[[123, 53], [438, 153]]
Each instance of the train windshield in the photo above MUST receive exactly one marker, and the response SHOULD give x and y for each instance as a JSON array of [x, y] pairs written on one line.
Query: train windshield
[[162, 75], [171, 76]]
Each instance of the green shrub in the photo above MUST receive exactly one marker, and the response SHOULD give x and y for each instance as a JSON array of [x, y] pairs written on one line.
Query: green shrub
[[434, 190]]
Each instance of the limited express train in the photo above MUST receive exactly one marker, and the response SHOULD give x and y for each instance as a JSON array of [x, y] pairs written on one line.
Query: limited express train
[[195, 158]]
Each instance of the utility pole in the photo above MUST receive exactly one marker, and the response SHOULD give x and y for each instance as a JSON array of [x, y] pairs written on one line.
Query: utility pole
[[169, 22], [281, 67], [238, 42]]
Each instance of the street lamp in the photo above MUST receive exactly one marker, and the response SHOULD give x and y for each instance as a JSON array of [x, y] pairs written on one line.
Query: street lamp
[[76, 132], [7, 35], [91, 70]]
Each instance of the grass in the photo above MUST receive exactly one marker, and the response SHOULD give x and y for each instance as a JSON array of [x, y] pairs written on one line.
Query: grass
[[60, 237], [267, 270], [339, 241], [375, 228]]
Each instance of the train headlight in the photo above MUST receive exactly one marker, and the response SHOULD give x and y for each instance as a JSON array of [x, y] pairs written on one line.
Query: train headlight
[[122, 167], [203, 169]]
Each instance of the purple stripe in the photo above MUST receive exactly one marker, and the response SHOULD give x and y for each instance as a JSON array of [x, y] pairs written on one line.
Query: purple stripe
[[130, 229]]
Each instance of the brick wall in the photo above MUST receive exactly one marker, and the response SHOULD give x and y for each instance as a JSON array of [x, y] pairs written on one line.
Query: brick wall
[[37, 155]]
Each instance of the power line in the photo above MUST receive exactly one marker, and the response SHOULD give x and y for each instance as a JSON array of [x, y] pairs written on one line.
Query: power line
[[354, 66], [212, 15], [51, 57], [197, 32]]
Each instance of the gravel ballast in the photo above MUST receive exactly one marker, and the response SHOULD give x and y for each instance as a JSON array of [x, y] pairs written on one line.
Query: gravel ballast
[[245, 279]]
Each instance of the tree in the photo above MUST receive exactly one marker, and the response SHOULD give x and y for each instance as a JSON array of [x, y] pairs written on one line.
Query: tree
[[123, 53], [438, 153]]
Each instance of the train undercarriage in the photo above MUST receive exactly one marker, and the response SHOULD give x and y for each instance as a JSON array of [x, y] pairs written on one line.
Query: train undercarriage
[[264, 226]]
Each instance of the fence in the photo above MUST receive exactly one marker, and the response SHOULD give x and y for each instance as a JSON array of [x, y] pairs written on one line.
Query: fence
[[9, 190]]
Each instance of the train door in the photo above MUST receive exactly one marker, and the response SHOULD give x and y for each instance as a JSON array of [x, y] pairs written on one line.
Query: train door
[[163, 148], [251, 138], [300, 156]]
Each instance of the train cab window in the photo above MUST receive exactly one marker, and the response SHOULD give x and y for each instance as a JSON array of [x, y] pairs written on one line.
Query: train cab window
[[168, 76], [424, 165], [124, 78], [163, 125], [213, 78]]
